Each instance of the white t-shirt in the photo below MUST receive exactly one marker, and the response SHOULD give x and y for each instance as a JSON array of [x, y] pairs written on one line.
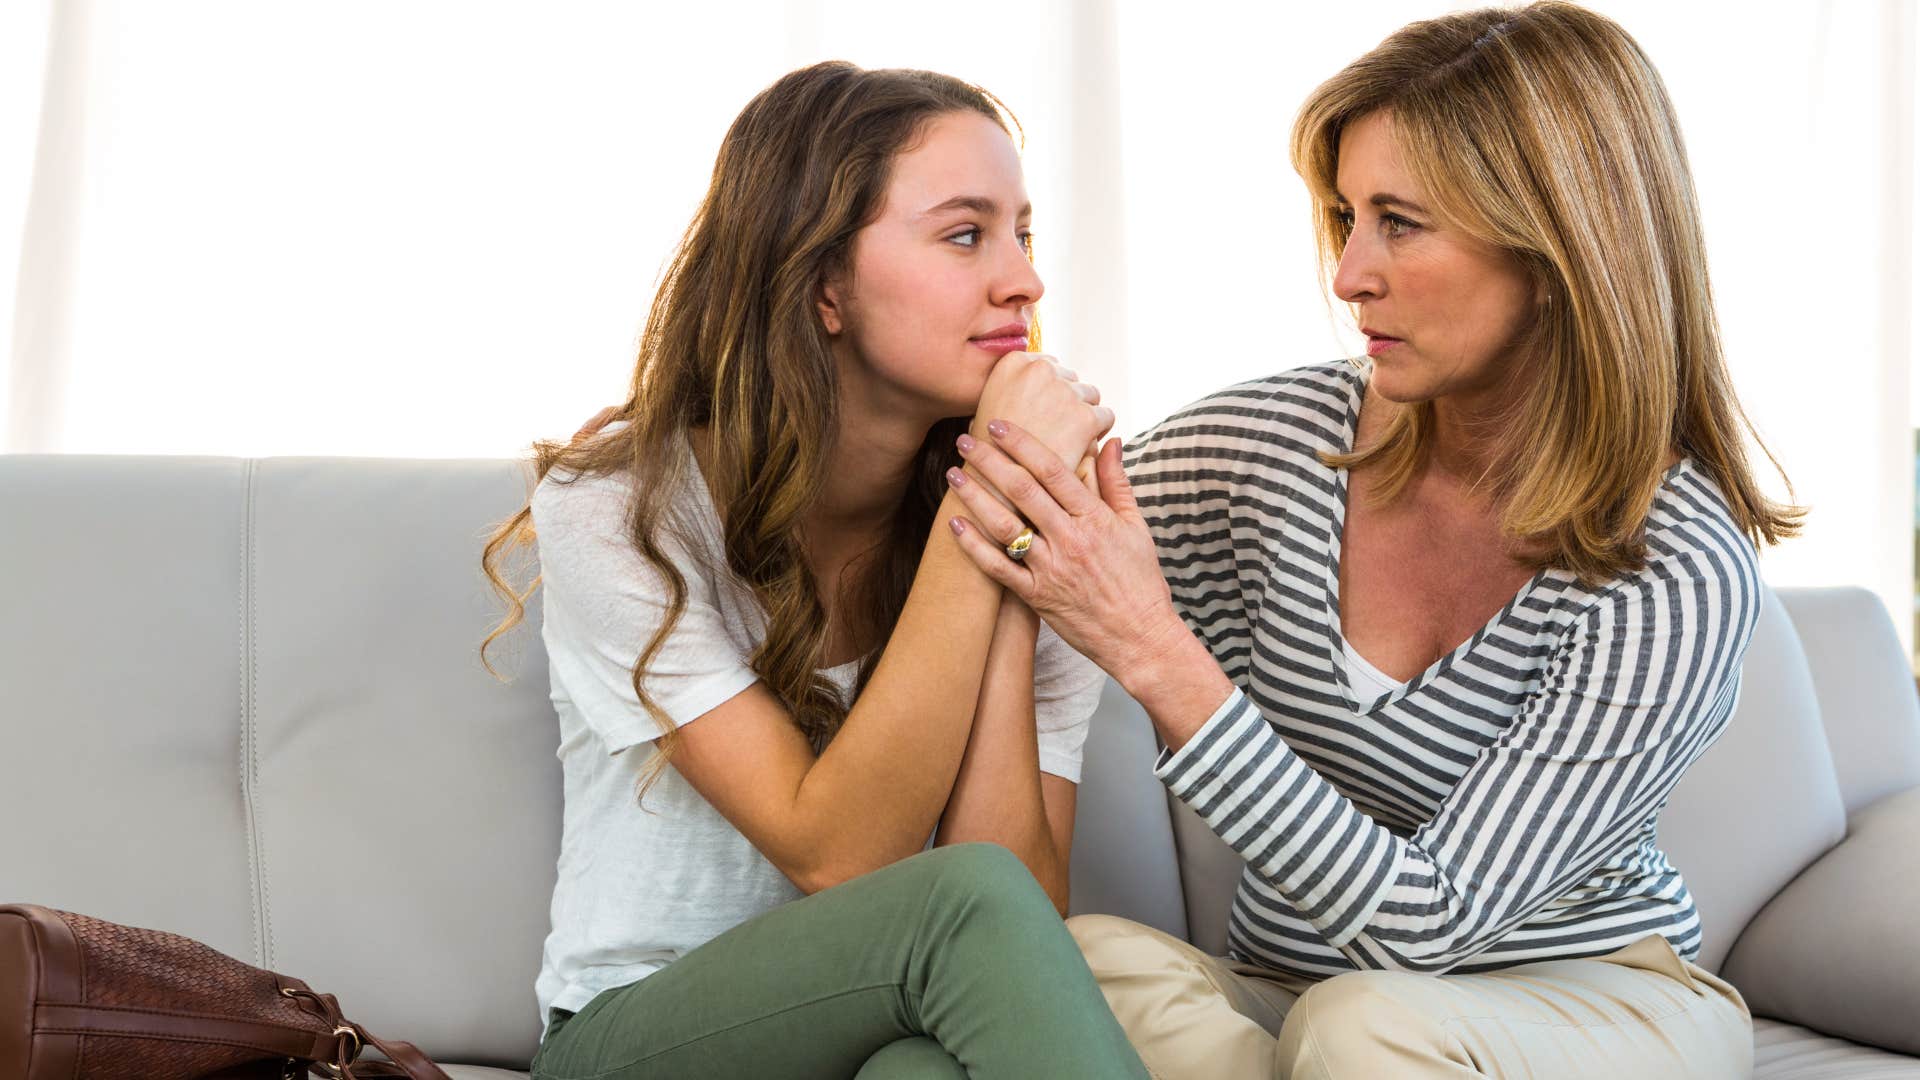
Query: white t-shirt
[[638, 888], [1369, 683]]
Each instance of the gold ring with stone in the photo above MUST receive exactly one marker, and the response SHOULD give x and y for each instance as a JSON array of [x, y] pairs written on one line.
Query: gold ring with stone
[[1021, 544]]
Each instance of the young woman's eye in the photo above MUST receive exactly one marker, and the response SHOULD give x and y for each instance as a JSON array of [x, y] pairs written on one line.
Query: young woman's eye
[[1026, 242], [969, 238]]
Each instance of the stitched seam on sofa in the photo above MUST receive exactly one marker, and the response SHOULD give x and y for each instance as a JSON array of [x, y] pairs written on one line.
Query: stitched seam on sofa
[[253, 714], [249, 737], [683, 1044]]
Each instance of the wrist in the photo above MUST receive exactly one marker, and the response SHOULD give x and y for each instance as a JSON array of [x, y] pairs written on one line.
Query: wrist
[[1176, 679], [1016, 615]]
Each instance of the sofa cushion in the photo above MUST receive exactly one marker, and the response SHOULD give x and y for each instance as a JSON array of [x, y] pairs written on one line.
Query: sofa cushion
[[1783, 1051], [407, 804], [1762, 802], [1838, 950]]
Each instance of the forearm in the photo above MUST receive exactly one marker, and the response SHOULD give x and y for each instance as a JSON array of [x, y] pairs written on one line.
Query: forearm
[[997, 795], [876, 793]]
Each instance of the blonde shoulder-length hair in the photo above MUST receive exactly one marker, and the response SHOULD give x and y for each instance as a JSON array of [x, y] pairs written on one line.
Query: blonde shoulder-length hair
[[1546, 132]]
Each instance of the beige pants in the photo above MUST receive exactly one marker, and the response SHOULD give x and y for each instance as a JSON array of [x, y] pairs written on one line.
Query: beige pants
[[1641, 1013]]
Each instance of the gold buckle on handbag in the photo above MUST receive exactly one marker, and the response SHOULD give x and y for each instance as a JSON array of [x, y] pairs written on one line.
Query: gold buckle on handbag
[[338, 1070]]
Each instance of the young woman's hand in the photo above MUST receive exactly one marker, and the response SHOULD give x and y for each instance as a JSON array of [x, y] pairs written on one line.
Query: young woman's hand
[[598, 421], [1033, 391], [1092, 573]]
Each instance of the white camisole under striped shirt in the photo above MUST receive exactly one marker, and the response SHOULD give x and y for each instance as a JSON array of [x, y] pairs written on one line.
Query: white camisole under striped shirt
[[1499, 808]]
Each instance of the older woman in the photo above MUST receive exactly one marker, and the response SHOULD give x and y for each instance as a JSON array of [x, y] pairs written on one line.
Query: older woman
[[1439, 630]]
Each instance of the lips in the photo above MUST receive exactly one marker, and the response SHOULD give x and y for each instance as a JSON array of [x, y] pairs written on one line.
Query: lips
[[1378, 342], [1003, 339]]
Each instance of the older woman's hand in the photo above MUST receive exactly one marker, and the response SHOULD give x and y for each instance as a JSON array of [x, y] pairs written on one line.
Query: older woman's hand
[[1092, 573]]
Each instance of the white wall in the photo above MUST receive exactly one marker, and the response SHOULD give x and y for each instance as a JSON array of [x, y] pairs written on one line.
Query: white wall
[[421, 227]]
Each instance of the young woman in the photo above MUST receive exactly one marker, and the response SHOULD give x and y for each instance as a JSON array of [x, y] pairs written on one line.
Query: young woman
[[1446, 626], [773, 688]]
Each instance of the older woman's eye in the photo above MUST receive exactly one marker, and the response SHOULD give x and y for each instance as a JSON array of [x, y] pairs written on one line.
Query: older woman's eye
[[1344, 216], [1397, 225]]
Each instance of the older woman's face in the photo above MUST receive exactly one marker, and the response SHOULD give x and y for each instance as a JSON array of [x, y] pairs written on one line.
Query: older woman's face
[[1442, 311]]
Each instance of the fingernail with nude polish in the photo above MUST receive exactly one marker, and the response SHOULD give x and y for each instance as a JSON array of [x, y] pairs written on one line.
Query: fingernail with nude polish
[[965, 443], [997, 428], [956, 477], [959, 526]]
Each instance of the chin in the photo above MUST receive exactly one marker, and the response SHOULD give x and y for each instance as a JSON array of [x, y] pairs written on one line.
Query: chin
[[1395, 385], [1410, 380]]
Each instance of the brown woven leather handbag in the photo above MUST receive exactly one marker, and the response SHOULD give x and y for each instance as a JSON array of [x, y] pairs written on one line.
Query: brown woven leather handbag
[[82, 999]]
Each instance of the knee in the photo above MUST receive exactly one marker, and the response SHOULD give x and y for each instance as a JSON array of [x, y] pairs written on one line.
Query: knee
[[982, 871], [1361, 1024]]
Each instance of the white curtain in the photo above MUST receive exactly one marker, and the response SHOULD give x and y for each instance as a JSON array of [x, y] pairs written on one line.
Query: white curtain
[[429, 227]]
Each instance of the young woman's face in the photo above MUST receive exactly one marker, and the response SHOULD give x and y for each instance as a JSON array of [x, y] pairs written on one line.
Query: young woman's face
[[940, 285], [1442, 311]]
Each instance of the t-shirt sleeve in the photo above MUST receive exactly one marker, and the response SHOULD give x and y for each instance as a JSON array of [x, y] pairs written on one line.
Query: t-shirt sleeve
[[1066, 691], [602, 602]]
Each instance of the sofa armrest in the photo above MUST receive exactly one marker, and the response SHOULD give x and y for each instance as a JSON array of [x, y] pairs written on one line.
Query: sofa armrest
[[1838, 949]]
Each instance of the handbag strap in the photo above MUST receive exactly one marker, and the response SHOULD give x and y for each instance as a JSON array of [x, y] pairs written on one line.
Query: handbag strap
[[349, 1038], [406, 1060]]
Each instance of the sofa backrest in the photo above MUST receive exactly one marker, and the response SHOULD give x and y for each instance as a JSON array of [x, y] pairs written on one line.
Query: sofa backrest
[[1866, 687]]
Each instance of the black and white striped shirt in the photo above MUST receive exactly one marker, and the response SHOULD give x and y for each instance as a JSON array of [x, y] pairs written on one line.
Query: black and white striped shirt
[[1499, 808]]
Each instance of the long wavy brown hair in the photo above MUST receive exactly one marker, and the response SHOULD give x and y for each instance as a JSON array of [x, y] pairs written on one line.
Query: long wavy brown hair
[[734, 345], [1546, 132]]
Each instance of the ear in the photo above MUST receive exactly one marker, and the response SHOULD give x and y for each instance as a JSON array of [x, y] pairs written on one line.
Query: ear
[[831, 306], [1543, 290]]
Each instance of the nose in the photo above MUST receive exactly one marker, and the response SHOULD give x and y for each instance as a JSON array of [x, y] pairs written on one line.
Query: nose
[[1016, 283], [1358, 276]]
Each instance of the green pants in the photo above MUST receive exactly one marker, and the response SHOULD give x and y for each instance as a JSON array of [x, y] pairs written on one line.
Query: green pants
[[949, 964]]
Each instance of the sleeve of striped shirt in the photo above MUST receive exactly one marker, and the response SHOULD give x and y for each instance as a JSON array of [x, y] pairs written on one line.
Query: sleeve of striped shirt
[[1638, 687]]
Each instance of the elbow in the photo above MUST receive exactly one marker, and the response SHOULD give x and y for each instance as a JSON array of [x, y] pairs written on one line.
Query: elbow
[[826, 870], [816, 878]]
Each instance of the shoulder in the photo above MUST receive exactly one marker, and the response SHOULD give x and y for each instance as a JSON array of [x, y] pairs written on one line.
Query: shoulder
[[580, 502], [1310, 408], [1701, 580], [582, 525]]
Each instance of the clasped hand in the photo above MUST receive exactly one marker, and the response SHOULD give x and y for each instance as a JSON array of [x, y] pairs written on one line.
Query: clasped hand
[[1091, 573]]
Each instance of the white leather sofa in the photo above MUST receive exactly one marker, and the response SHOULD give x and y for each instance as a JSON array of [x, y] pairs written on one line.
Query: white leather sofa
[[240, 700]]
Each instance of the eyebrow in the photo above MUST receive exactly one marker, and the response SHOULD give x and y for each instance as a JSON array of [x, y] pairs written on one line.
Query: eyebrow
[[1384, 199], [979, 204]]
